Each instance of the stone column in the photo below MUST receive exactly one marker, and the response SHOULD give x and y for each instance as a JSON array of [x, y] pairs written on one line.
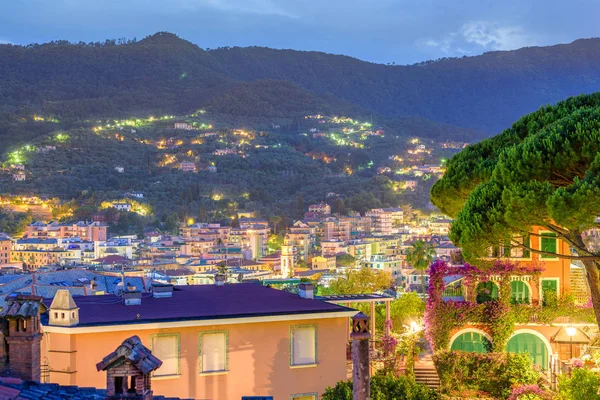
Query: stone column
[[361, 377]]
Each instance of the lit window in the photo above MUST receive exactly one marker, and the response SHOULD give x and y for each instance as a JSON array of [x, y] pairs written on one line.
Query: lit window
[[304, 345], [166, 349], [304, 396], [213, 351]]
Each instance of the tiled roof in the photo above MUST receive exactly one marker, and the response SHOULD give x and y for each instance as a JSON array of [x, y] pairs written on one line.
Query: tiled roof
[[22, 306], [12, 388], [198, 302], [133, 351]]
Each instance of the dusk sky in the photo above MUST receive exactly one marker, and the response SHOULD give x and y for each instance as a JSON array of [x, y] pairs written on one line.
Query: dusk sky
[[400, 31]]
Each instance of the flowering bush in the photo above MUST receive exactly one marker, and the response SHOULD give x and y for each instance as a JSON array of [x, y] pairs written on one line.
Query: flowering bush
[[492, 373], [384, 387], [529, 392], [583, 384], [577, 363]]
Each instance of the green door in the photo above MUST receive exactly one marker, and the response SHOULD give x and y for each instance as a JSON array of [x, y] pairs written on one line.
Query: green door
[[486, 291], [531, 344], [471, 341], [519, 292]]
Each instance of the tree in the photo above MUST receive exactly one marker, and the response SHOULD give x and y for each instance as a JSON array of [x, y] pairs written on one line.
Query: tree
[[363, 281], [542, 172], [345, 260], [275, 220], [172, 222], [339, 207], [419, 256], [300, 204], [202, 215]]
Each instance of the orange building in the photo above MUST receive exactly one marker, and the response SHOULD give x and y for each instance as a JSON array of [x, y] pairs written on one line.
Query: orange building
[[5, 247], [216, 342], [561, 340], [94, 231]]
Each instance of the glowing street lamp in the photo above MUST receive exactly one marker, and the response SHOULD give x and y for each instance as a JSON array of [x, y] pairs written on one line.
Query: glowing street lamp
[[571, 331]]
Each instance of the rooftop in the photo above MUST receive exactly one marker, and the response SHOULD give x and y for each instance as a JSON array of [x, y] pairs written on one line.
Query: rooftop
[[199, 302]]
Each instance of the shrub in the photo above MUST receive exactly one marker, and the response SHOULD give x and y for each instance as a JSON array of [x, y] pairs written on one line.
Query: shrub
[[384, 387], [529, 392], [493, 373], [583, 384]]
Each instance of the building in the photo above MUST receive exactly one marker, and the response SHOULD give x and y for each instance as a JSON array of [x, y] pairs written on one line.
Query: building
[[288, 258], [333, 247], [391, 264], [19, 176], [34, 259], [303, 238], [385, 220], [5, 249], [321, 208], [323, 263], [206, 232], [94, 231], [440, 226], [558, 276], [187, 166], [182, 125], [215, 342], [251, 237], [336, 229]]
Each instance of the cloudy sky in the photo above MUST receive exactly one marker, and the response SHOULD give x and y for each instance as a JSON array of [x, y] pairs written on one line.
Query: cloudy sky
[[400, 31]]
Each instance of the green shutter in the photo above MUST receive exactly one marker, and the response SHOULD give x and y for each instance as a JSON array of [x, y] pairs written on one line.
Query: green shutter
[[549, 244], [519, 292], [486, 291], [471, 341]]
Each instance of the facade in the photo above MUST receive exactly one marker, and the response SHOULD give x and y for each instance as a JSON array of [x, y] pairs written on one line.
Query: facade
[[207, 352], [187, 166], [288, 258], [336, 229], [5, 249], [543, 342], [321, 208], [391, 264], [333, 247], [182, 125], [321, 263], [86, 231], [34, 259]]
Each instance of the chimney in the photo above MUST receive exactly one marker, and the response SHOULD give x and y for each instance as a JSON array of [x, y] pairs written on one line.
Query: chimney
[[132, 297], [162, 290], [361, 378], [307, 290], [63, 310], [220, 279]]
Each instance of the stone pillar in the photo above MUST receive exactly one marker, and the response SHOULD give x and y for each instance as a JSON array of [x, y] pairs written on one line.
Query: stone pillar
[[361, 378]]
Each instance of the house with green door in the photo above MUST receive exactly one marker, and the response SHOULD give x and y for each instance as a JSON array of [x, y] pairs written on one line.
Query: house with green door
[[546, 294]]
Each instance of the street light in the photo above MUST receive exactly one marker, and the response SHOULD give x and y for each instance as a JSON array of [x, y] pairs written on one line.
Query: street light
[[571, 331]]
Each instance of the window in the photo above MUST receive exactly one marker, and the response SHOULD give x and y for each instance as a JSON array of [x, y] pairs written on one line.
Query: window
[[548, 243], [304, 396], [166, 348], [304, 345], [519, 292], [213, 351], [549, 290]]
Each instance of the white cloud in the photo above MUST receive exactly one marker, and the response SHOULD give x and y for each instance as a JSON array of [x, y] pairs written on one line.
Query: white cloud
[[490, 35], [474, 36], [2, 41]]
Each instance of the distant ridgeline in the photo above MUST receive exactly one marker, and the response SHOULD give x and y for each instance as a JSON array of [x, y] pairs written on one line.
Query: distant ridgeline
[[163, 73]]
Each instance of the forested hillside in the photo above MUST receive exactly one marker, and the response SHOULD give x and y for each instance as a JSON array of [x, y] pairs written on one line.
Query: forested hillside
[[168, 74]]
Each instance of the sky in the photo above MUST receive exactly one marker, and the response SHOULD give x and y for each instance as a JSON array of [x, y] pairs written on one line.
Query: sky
[[383, 31]]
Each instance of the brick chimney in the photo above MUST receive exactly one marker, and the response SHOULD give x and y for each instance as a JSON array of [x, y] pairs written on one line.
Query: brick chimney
[[21, 314]]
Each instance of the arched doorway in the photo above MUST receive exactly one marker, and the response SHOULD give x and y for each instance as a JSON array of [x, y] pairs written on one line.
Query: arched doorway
[[486, 291], [471, 341], [532, 344]]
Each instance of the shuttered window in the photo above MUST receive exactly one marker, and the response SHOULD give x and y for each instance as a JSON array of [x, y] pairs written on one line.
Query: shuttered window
[[304, 345], [213, 351], [548, 244], [166, 348]]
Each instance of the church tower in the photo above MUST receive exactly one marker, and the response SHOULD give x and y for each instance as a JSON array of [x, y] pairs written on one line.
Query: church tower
[[287, 258]]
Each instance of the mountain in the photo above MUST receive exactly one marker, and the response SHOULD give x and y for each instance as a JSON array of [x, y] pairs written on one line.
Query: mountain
[[165, 73]]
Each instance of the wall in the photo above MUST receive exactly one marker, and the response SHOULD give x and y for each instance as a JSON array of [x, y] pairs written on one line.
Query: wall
[[259, 360]]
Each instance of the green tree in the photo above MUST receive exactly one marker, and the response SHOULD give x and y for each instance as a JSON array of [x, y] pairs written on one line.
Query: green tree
[[420, 256], [202, 215], [300, 204], [542, 172], [345, 260], [275, 220], [172, 222], [339, 207], [362, 281]]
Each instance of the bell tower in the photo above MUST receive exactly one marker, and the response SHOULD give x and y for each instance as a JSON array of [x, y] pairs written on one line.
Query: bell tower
[[287, 258]]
